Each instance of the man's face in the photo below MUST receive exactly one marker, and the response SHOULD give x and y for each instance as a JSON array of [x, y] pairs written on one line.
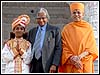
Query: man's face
[[77, 15], [41, 19]]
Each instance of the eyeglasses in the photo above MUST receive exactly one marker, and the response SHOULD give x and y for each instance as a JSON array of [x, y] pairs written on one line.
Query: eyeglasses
[[41, 18]]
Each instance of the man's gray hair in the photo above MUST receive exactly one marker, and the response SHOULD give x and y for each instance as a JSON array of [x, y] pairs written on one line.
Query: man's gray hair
[[42, 10]]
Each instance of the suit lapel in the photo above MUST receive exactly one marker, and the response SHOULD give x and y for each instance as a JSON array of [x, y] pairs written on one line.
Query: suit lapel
[[45, 45], [46, 38]]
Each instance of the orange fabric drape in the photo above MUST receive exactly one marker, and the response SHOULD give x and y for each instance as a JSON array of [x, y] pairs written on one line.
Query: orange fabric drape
[[77, 5], [76, 38]]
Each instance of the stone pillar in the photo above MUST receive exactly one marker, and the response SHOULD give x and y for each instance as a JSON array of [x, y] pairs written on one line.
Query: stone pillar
[[92, 16]]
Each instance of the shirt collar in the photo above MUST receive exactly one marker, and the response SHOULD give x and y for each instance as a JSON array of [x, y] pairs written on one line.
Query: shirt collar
[[44, 27]]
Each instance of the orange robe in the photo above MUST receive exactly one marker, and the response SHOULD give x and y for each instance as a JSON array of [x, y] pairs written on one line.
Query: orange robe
[[78, 37]]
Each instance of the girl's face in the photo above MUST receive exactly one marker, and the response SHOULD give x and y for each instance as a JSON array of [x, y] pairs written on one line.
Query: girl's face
[[19, 31], [77, 15]]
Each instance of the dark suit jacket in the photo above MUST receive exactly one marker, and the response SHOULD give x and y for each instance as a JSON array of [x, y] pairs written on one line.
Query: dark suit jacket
[[51, 51]]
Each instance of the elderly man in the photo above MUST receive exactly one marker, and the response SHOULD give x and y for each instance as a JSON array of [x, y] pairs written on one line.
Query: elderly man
[[46, 44]]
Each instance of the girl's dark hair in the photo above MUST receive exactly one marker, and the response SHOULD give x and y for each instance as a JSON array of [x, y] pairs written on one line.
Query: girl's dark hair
[[12, 35]]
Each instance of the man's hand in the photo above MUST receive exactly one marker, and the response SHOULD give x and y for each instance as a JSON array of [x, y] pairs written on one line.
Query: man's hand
[[52, 69], [78, 65], [83, 54], [75, 60]]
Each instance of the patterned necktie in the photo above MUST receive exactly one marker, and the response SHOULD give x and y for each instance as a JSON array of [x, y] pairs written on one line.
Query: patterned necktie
[[37, 45]]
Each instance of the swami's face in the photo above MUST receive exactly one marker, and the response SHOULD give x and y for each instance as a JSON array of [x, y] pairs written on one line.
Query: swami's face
[[77, 15], [19, 31]]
